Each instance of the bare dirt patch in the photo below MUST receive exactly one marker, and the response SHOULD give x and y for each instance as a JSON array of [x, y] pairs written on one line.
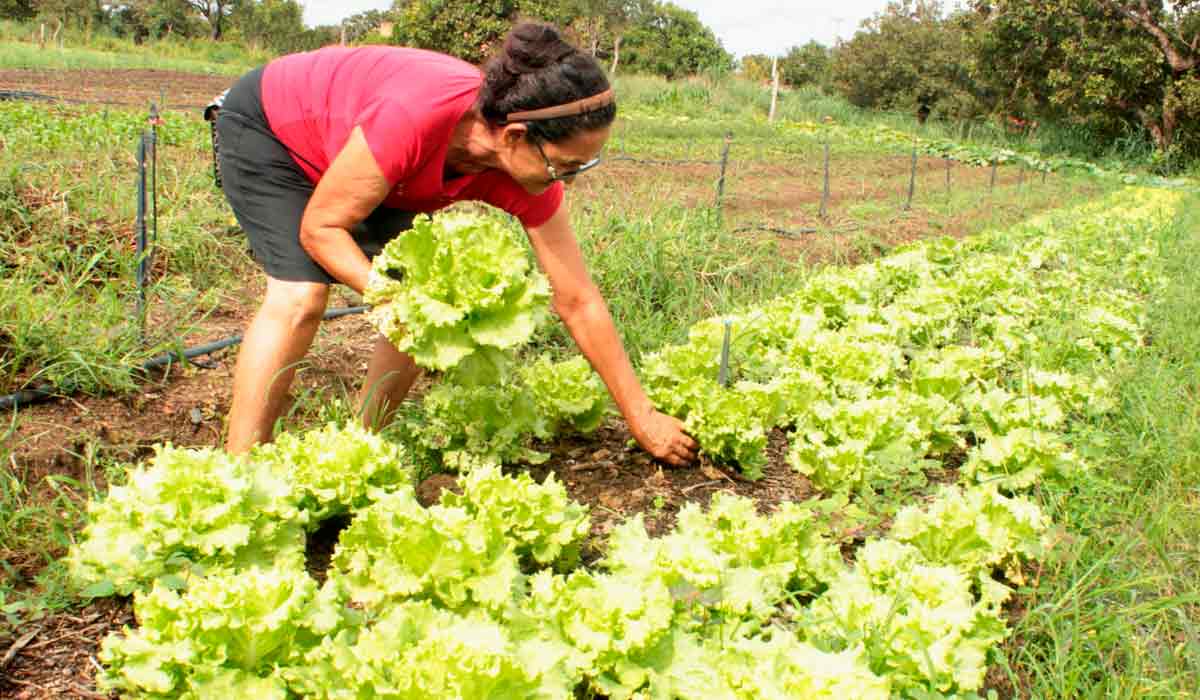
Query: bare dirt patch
[[56, 657], [168, 89]]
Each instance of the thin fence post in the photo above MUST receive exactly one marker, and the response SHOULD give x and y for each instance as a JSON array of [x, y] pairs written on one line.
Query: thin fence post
[[140, 231], [912, 180], [992, 184], [947, 177], [1044, 171], [154, 122], [825, 187], [1020, 177], [724, 164], [723, 371]]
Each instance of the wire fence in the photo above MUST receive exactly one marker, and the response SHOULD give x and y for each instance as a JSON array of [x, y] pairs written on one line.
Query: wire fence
[[736, 159]]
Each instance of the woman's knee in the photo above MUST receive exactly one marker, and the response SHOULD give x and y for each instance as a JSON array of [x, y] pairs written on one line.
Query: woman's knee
[[295, 303]]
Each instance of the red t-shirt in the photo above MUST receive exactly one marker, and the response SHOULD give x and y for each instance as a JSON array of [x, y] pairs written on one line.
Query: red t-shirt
[[407, 102]]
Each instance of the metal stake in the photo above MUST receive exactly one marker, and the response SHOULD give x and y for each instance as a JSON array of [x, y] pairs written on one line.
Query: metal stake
[[140, 231], [723, 373], [912, 180], [825, 189], [724, 164]]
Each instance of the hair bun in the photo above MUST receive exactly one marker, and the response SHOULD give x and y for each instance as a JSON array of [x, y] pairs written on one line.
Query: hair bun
[[532, 46]]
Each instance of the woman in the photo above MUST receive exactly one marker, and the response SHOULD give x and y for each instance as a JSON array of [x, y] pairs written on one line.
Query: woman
[[326, 155]]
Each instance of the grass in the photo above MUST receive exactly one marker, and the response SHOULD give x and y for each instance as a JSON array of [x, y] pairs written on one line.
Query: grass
[[662, 272], [20, 48], [39, 514], [68, 234]]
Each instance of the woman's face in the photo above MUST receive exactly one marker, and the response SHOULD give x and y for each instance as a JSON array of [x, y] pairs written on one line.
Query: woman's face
[[536, 166]]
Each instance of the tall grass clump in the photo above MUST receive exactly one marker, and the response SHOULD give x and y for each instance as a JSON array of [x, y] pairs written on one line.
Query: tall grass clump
[[662, 272]]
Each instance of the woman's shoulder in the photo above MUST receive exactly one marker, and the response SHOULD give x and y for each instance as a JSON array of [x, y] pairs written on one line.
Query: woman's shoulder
[[400, 61]]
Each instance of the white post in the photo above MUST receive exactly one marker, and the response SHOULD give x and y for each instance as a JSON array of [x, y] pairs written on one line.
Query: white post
[[774, 87]]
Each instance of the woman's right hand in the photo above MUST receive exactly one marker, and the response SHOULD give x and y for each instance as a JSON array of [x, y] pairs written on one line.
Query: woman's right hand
[[663, 437]]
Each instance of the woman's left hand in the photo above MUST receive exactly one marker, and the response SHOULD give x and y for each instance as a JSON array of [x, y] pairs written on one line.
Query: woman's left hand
[[663, 437]]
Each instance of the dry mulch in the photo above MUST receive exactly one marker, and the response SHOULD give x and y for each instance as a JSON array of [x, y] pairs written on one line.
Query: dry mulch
[[56, 657]]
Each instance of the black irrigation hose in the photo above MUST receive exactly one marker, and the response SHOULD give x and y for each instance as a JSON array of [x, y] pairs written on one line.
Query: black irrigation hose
[[25, 95], [46, 391], [786, 233], [652, 161], [39, 97]]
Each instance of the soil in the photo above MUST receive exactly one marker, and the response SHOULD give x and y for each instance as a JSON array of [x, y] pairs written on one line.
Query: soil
[[56, 657], [619, 480], [167, 89]]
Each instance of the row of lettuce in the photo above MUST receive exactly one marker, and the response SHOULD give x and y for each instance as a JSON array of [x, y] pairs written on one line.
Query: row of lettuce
[[980, 352]]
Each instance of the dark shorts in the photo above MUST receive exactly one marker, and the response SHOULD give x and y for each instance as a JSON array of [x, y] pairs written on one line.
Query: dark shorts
[[268, 191]]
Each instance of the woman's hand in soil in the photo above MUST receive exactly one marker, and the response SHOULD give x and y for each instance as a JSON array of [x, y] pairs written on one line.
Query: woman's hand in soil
[[663, 437]]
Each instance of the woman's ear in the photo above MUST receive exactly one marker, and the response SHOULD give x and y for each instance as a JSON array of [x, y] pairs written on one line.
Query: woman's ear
[[511, 135]]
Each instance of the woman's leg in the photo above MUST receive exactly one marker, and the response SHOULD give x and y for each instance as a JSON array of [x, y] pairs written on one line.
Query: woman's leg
[[277, 339], [390, 374]]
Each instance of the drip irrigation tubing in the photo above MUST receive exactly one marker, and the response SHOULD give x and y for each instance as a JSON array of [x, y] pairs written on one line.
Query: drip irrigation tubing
[[787, 233], [653, 161], [39, 97], [43, 392]]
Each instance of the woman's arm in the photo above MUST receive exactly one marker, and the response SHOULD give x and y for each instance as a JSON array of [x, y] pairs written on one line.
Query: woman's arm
[[352, 187], [581, 307]]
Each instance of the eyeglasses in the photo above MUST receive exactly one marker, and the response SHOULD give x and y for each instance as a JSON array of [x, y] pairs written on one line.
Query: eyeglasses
[[553, 172]]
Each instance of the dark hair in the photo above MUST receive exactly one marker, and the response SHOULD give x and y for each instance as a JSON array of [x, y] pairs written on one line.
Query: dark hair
[[537, 68]]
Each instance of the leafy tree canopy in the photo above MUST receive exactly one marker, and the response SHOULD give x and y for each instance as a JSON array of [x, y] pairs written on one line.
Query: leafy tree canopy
[[672, 42], [913, 53], [1107, 65]]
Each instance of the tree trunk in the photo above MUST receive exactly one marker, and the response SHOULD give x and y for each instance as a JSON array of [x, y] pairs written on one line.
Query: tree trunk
[[217, 10], [1180, 61], [1161, 129], [616, 55]]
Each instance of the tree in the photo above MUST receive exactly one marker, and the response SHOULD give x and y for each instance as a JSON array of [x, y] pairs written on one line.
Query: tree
[[809, 64], [756, 67], [143, 19], [355, 27], [1104, 64], [17, 9], [277, 25], [469, 29], [910, 57], [214, 12], [672, 42]]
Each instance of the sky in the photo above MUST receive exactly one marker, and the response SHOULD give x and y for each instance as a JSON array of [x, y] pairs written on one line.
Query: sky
[[743, 26]]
